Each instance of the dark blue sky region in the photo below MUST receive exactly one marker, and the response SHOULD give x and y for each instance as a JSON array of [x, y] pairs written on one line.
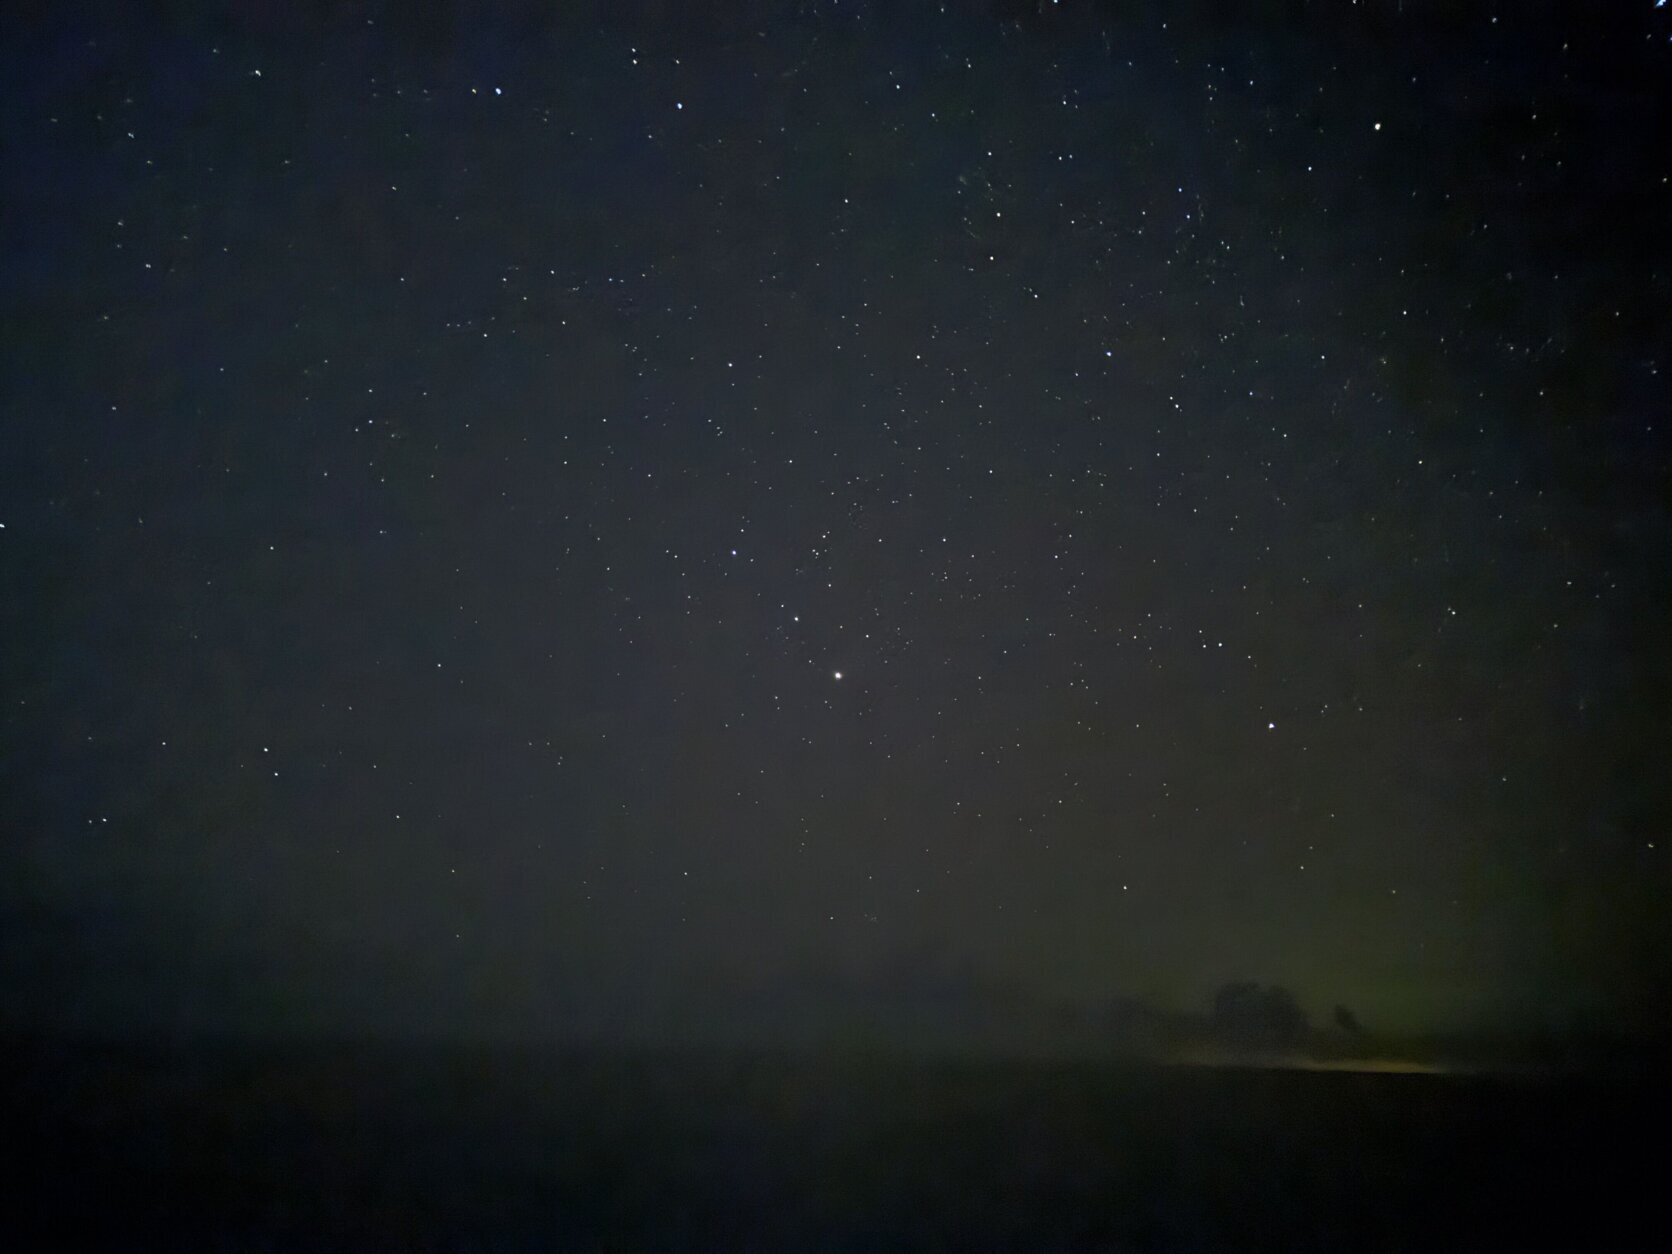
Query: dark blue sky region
[[519, 523]]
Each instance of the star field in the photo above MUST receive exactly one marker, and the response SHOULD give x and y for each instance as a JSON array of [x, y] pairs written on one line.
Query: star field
[[514, 523]]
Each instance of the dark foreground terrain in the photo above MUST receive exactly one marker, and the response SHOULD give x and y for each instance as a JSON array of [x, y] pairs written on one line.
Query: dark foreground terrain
[[428, 1149]]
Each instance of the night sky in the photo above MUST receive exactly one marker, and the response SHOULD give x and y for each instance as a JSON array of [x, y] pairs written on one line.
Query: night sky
[[527, 525]]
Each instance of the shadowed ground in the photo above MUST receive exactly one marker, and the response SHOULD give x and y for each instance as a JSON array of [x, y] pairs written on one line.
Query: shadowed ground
[[372, 1148]]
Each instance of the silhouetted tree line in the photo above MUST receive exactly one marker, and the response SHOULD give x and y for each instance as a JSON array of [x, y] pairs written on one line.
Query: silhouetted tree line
[[1247, 1015]]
